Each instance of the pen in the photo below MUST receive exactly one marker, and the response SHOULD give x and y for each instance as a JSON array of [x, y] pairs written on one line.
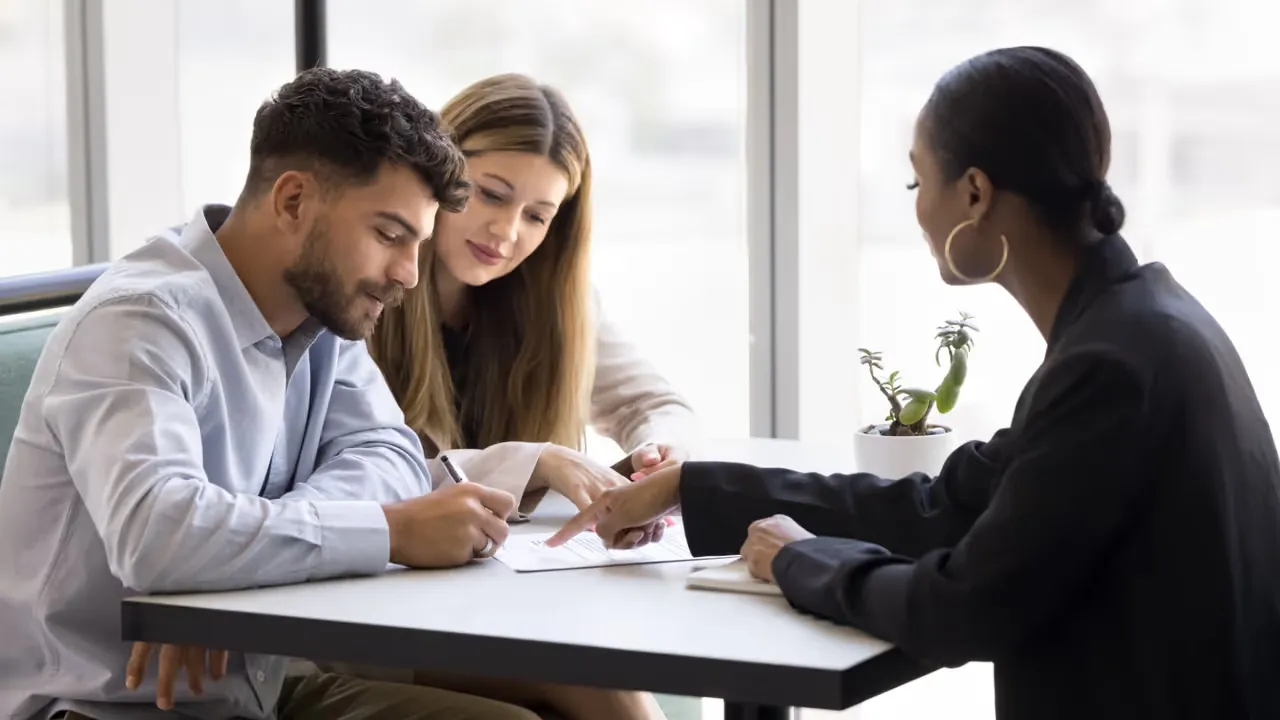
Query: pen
[[460, 477], [454, 471]]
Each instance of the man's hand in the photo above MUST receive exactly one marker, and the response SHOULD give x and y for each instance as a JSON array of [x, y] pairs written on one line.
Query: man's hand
[[450, 526], [193, 660], [630, 515], [574, 475], [765, 539], [649, 459]]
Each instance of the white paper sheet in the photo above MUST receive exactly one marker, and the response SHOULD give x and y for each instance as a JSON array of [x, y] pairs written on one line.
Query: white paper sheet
[[527, 553]]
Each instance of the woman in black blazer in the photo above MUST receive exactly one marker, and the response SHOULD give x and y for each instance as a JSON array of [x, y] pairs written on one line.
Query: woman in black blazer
[[1116, 550]]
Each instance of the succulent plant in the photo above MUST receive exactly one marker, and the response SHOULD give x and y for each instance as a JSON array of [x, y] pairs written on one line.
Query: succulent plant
[[910, 407]]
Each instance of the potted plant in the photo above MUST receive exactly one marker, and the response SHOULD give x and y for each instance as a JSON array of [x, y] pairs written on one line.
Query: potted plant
[[907, 441]]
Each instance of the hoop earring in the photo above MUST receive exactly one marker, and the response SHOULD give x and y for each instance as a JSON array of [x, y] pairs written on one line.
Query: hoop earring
[[951, 265]]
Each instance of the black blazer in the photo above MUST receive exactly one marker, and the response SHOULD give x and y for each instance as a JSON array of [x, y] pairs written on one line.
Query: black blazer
[[1115, 551]]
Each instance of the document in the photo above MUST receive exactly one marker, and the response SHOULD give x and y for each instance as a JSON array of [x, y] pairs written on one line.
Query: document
[[730, 577], [529, 553]]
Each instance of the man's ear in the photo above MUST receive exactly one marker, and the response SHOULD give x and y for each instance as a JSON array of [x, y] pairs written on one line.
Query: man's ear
[[292, 196]]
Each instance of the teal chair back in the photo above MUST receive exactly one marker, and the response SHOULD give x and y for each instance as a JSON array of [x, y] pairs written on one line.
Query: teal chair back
[[21, 340], [30, 307]]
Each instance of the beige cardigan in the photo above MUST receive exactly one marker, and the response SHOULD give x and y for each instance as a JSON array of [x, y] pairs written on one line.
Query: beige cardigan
[[631, 404]]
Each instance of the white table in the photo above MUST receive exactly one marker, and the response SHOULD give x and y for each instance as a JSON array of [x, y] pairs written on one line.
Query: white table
[[621, 627]]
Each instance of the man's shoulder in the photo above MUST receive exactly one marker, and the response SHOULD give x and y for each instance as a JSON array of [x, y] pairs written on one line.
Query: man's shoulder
[[162, 271], [161, 278], [158, 297]]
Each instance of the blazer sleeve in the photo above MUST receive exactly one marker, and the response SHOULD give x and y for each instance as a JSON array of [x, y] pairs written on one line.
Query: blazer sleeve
[[1069, 491], [631, 402], [911, 515], [506, 466]]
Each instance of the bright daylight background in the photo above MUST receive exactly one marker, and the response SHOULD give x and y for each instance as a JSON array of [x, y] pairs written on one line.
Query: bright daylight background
[[1192, 87]]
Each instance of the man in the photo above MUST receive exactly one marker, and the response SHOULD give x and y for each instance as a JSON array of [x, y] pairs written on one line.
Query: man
[[207, 418]]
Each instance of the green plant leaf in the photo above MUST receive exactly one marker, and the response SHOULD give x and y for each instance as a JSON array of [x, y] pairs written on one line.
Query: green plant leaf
[[959, 368], [913, 412], [918, 394], [948, 394]]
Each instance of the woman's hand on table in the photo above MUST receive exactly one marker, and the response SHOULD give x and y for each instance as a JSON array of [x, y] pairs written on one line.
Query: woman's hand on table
[[765, 539]]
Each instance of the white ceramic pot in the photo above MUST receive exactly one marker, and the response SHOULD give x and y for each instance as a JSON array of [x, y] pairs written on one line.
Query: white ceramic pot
[[893, 456]]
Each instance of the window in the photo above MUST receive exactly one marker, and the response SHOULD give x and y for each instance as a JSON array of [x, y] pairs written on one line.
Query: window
[[660, 89], [1190, 88], [232, 54], [35, 212], [179, 109], [1194, 113]]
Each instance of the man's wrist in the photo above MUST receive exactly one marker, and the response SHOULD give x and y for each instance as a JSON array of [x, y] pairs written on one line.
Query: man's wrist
[[392, 512]]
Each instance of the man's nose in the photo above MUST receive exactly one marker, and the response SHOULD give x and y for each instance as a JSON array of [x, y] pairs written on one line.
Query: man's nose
[[404, 269]]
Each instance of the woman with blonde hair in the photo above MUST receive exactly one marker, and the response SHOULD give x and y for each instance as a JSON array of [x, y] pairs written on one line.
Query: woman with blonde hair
[[501, 355]]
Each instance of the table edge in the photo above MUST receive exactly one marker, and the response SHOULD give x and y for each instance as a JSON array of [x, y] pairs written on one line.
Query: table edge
[[517, 659]]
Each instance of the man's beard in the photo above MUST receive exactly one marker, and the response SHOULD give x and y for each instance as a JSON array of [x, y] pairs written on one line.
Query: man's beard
[[320, 288]]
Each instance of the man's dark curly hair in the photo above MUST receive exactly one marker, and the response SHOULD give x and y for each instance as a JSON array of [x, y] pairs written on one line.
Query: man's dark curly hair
[[344, 125]]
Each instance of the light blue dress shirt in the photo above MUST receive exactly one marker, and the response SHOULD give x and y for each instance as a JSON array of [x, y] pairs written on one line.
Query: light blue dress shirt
[[171, 441]]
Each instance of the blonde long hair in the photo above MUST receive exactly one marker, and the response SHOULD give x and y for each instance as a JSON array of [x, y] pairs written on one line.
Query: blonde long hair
[[530, 349]]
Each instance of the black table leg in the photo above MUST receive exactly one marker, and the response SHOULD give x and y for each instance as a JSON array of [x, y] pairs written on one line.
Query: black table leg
[[750, 711]]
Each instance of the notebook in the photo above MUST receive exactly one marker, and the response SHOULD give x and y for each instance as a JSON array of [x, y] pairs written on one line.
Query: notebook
[[730, 577]]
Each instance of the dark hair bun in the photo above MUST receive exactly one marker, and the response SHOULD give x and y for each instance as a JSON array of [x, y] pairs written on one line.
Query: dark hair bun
[[1031, 119], [1106, 212]]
